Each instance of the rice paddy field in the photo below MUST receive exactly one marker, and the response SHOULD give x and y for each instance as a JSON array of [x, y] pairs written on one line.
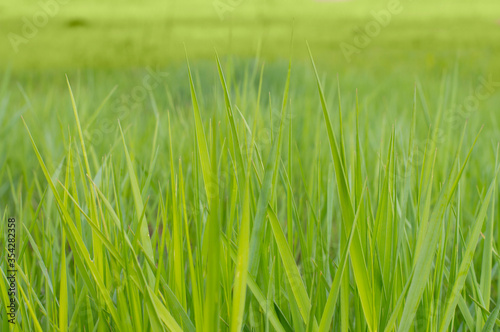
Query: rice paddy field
[[249, 165]]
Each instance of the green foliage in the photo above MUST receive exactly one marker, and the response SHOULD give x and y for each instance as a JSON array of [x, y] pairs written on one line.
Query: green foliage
[[215, 207]]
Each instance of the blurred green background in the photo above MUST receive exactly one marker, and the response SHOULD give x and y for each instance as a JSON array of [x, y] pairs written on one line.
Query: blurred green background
[[381, 48], [421, 37]]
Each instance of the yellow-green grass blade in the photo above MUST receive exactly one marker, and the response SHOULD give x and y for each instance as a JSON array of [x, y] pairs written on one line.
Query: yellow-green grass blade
[[78, 126], [175, 305], [162, 242], [266, 190], [164, 314], [201, 141], [361, 274], [467, 259], [240, 283], [328, 311], [258, 294], [230, 116], [63, 289], [139, 208], [483, 310], [177, 255], [212, 293], [486, 267], [429, 244], [36, 324], [5, 298], [195, 285], [152, 306], [100, 107], [291, 269], [37, 254], [490, 322], [96, 243], [82, 258], [102, 237]]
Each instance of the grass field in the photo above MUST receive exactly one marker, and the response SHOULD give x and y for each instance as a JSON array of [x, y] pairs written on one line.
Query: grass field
[[112, 33], [266, 187]]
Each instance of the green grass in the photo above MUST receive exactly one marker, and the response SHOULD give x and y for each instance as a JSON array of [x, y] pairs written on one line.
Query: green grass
[[234, 195], [246, 191], [126, 33]]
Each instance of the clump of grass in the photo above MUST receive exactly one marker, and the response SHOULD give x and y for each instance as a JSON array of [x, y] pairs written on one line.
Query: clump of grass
[[315, 228]]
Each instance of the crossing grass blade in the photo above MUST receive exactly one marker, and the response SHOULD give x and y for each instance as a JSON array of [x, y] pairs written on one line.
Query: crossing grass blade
[[63, 290], [486, 266], [193, 272], [426, 254], [259, 296], [177, 234], [139, 208], [240, 286], [292, 271], [467, 258], [267, 188], [212, 293], [36, 324], [230, 116], [490, 323], [366, 289], [328, 311], [201, 140], [241, 272], [76, 241]]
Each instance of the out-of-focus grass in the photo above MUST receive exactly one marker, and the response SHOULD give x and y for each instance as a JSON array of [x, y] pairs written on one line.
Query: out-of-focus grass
[[126, 33]]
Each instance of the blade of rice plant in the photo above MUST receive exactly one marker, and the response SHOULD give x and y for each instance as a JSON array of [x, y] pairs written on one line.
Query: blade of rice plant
[[240, 283], [63, 289], [27, 302], [467, 259], [96, 243], [193, 272], [291, 269], [176, 307], [366, 289], [177, 234], [212, 294], [259, 296], [36, 251], [75, 239], [486, 267], [490, 323], [266, 189], [241, 272], [426, 256], [329, 309], [200, 135], [139, 208], [230, 116]]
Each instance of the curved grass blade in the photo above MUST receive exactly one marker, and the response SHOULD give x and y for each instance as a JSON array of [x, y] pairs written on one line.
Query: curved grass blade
[[329, 309], [425, 258], [366, 289], [490, 323], [467, 259], [291, 269], [267, 188]]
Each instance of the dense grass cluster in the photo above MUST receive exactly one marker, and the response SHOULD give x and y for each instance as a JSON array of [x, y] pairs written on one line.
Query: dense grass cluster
[[248, 209]]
